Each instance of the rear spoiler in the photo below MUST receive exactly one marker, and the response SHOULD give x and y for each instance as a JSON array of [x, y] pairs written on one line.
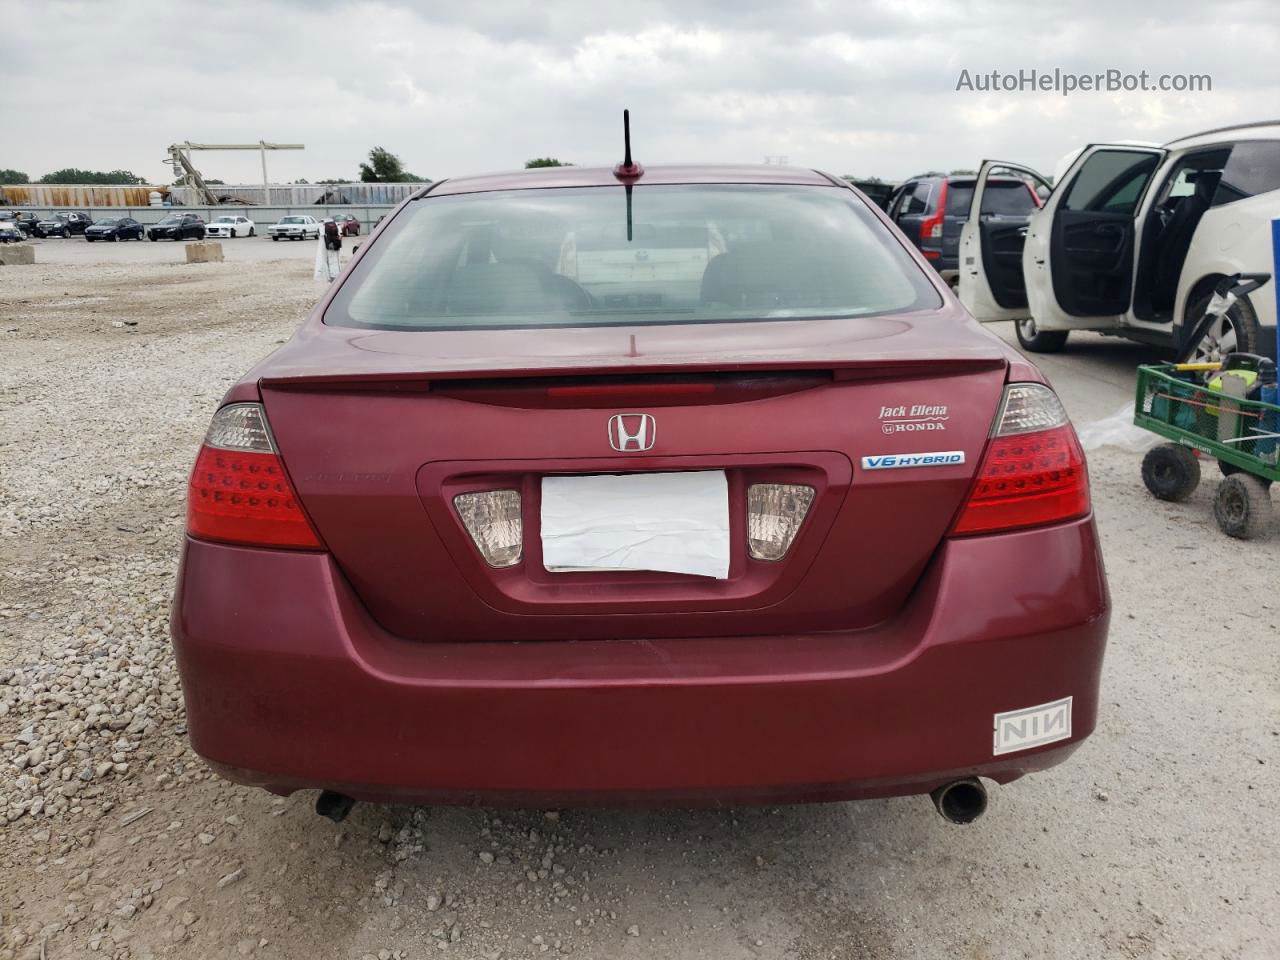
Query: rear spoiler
[[420, 380]]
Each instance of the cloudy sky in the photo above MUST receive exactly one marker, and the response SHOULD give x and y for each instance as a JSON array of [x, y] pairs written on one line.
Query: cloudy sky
[[454, 88]]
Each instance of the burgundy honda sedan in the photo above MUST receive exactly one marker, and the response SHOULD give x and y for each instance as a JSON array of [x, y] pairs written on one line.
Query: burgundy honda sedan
[[686, 486]]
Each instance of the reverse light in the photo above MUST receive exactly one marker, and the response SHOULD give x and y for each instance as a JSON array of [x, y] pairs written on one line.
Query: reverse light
[[1033, 471], [492, 518], [775, 512], [239, 491]]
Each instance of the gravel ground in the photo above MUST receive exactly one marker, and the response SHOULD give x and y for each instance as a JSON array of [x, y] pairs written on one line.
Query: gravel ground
[[1157, 840]]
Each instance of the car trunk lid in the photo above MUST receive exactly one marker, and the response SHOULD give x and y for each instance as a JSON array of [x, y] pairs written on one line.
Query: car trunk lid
[[386, 430]]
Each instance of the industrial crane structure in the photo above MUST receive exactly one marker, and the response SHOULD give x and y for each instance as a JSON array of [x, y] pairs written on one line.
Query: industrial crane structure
[[180, 157]]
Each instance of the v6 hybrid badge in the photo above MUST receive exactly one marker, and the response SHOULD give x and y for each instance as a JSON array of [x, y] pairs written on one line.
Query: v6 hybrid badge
[[888, 461]]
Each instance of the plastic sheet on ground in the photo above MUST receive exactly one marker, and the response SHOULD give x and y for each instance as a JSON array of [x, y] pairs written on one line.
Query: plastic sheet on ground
[[1117, 430]]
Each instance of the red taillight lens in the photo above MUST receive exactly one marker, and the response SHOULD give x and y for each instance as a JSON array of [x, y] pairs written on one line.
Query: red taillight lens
[[1028, 477], [239, 492], [931, 227]]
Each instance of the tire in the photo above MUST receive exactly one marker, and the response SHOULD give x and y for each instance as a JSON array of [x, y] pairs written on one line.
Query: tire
[[1242, 506], [1039, 341], [274, 238], [1171, 472], [88, 239], [151, 237], [253, 232], [1238, 332]]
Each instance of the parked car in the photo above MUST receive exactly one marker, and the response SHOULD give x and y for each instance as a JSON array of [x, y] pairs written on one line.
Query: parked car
[[932, 209], [115, 228], [731, 492], [1132, 242], [879, 192], [295, 228], [348, 224], [26, 221], [62, 225], [178, 226], [10, 232], [231, 226]]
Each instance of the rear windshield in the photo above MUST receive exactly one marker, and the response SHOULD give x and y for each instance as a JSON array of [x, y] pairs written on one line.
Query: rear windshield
[[692, 254], [959, 199]]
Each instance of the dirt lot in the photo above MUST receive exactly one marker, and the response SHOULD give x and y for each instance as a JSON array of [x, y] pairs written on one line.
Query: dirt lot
[[1158, 840]]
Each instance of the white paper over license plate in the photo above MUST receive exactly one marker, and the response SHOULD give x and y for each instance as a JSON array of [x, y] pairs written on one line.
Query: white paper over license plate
[[669, 522]]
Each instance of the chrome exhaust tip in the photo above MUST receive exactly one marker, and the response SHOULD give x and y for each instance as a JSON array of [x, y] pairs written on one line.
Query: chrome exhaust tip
[[961, 801]]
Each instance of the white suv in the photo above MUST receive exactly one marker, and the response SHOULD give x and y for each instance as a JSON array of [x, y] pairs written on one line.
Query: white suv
[[1132, 241]]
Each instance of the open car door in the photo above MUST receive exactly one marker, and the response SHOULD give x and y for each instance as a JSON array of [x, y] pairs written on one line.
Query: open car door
[[1079, 257], [991, 282]]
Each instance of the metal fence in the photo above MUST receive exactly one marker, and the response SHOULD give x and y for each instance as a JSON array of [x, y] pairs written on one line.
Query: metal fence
[[263, 217], [315, 194]]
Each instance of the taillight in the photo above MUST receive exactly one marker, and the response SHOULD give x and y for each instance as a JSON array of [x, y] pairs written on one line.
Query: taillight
[[493, 520], [931, 227], [239, 491], [1033, 471], [775, 512]]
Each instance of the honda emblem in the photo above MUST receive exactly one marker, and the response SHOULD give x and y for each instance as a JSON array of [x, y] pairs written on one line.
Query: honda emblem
[[632, 432]]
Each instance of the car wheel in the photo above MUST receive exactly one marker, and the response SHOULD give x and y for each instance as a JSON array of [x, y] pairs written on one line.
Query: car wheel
[[1171, 472], [253, 232], [1237, 331], [88, 239], [1242, 506], [1036, 340]]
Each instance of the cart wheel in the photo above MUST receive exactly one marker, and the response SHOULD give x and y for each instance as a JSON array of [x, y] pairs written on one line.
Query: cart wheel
[[1242, 506], [1171, 472]]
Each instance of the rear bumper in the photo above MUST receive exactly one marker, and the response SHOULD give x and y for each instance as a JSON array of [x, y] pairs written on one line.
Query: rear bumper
[[289, 684]]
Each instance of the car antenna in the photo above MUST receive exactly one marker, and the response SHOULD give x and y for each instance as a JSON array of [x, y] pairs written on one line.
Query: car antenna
[[628, 171]]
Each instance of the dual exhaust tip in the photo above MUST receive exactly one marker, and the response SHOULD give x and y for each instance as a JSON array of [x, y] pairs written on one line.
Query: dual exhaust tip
[[960, 801]]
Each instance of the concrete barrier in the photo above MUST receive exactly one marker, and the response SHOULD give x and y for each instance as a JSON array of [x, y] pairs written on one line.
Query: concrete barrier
[[12, 254], [204, 251]]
